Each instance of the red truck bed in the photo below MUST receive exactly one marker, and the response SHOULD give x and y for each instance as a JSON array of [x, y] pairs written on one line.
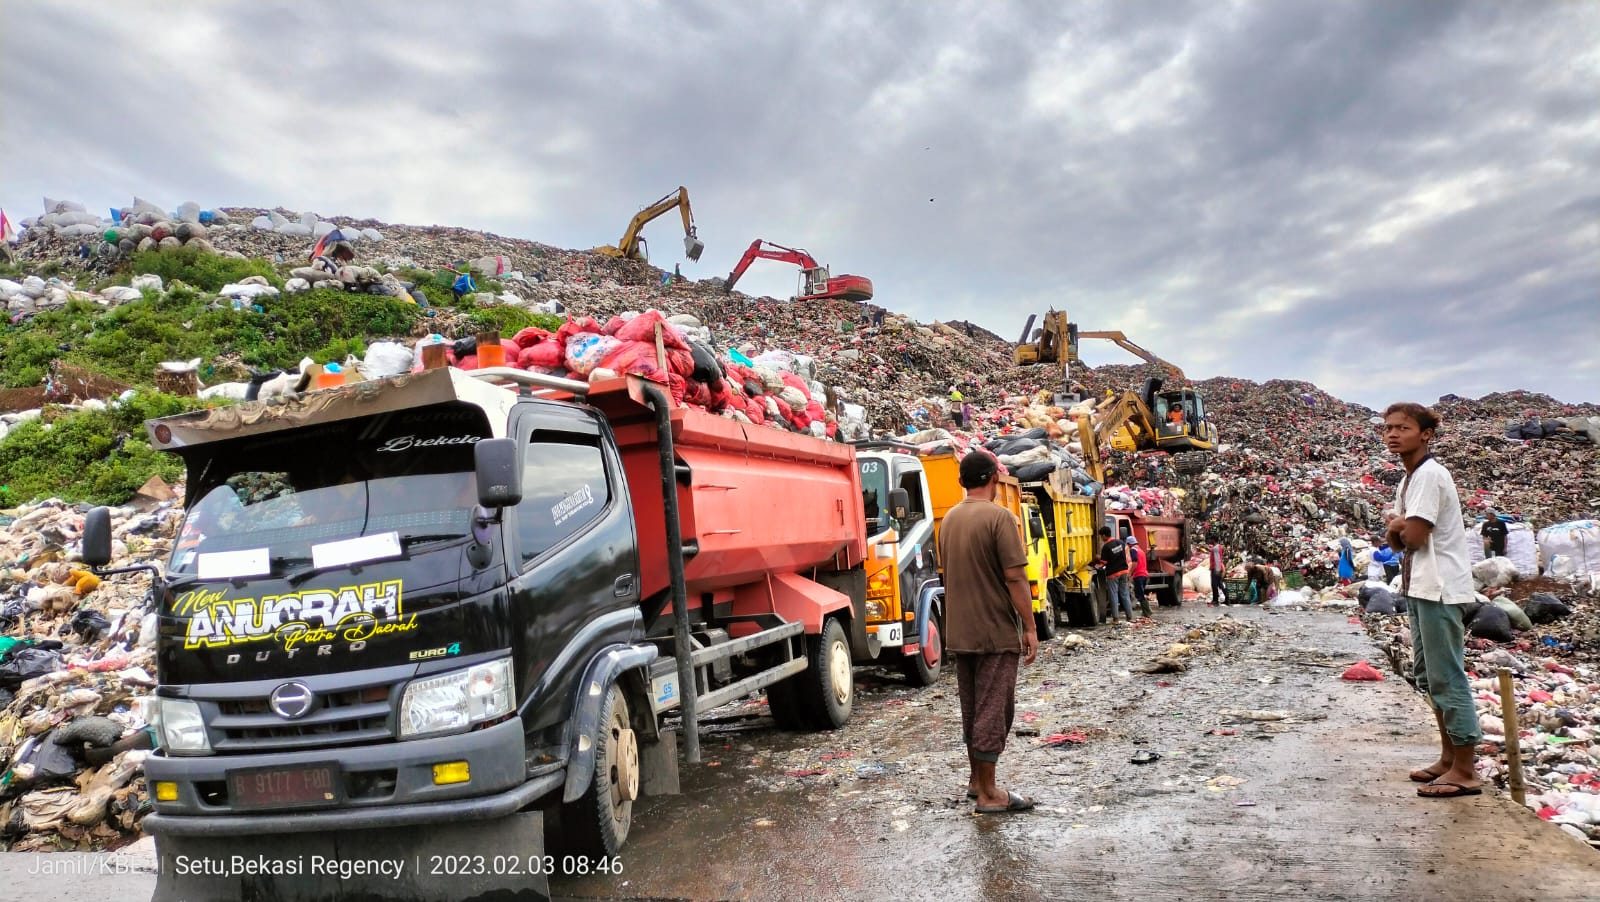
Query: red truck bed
[[762, 502]]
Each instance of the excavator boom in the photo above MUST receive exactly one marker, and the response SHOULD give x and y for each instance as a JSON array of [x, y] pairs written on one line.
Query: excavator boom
[[1122, 341], [631, 245]]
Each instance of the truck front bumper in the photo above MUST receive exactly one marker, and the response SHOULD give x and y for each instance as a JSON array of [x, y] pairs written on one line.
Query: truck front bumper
[[495, 757]]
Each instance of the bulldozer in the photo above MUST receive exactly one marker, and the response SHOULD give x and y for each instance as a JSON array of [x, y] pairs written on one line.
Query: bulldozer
[[632, 245]]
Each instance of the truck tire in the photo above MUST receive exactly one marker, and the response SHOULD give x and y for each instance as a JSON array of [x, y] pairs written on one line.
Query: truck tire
[[597, 823], [1058, 601], [917, 668], [1169, 596], [783, 700], [828, 688], [1044, 621]]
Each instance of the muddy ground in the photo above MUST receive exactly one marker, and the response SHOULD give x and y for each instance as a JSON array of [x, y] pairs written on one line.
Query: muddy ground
[[1312, 806]]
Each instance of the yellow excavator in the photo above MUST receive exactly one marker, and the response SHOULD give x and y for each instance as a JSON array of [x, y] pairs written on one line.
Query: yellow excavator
[[1056, 341], [634, 247], [1174, 421]]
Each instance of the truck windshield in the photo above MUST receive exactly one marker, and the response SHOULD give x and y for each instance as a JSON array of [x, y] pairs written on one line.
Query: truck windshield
[[409, 473], [875, 493]]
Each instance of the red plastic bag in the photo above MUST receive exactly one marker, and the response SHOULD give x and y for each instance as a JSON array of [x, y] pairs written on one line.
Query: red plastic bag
[[531, 336], [573, 326], [679, 361], [545, 354], [643, 328], [1363, 671]]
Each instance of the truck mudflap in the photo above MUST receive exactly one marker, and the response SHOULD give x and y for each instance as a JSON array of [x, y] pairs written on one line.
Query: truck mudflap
[[585, 721], [502, 858], [928, 600]]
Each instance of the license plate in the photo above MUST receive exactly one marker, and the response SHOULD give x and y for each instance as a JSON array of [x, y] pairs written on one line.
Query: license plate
[[285, 787]]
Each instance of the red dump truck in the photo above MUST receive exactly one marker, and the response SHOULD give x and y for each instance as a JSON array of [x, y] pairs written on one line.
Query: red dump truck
[[404, 620]]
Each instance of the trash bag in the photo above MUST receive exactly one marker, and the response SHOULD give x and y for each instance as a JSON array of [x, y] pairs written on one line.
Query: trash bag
[[1362, 672], [1491, 623], [1400, 604], [707, 368], [1380, 602], [585, 351], [1035, 472], [47, 761], [25, 663], [1519, 617], [89, 624], [386, 358], [545, 355], [643, 328], [93, 730], [1470, 610], [1546, 608]]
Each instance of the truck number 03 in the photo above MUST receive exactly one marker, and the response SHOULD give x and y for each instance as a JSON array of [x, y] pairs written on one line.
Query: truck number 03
[[891, 634]]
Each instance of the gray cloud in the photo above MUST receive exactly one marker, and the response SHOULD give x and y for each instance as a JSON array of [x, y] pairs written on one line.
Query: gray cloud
[[1381, 198]]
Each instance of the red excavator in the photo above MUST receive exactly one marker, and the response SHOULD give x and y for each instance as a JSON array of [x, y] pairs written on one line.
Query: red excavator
[[815, 283]]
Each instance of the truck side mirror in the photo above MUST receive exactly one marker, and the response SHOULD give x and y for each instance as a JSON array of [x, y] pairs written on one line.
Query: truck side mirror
[[97, 537], [899, 503], [498, 471]]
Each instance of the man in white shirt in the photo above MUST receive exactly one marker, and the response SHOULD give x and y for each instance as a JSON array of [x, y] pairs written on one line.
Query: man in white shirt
[[1436, 579]]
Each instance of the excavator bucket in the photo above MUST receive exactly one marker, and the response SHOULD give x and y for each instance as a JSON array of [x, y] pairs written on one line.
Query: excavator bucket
[[501, 859], [1191, 463], [693, 247]]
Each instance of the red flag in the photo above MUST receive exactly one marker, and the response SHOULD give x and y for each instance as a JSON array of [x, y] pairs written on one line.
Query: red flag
[[6, 231]]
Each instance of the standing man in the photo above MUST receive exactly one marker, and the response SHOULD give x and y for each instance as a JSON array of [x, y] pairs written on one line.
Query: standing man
[[1494, 532], [957, 413], [1436, 580], [1139, 570], [1218, 571], [989, 624], [1114, 558]]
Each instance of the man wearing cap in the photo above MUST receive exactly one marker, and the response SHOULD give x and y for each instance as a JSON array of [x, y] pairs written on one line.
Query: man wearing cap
[[1139, 569], [988, 624]]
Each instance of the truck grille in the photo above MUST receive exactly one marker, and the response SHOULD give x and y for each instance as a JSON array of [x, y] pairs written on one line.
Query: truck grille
[[340, 718]]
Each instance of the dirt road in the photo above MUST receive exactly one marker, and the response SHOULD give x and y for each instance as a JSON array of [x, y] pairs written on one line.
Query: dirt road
[[1313, 806]]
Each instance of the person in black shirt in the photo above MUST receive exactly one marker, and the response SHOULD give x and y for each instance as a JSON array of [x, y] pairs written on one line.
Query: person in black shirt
[[1494, 536]]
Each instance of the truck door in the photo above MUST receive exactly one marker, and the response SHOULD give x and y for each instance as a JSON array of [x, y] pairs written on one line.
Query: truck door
[[571, 547], [917, 562]]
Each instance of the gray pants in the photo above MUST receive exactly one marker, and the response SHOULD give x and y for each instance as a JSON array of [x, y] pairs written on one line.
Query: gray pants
[[1120, 591]]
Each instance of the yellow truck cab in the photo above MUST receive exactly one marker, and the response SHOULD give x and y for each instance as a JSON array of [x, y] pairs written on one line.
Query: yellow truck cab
[[1040, 569]]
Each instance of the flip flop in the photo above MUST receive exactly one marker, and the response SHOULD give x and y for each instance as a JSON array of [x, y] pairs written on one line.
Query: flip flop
[[971, 794], [1460, 791], [1013, 803], [1431, 776]]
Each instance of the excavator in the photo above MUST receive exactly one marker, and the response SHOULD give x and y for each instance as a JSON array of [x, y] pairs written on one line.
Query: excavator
[[634, 247], [815, 281], [1056, 341], [1172, 421]]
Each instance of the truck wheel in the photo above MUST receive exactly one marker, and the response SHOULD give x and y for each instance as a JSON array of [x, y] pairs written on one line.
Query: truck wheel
[[924, 667], [1169, 596], [1058, 602], [597, 823], [829, 687], [783, 700], [1044, 621]]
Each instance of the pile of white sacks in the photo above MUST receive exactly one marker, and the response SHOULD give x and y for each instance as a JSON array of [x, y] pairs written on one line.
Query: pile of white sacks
[[307, 225]]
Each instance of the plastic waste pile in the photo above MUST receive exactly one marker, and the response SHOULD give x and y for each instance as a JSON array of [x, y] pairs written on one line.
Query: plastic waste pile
[[77, 656]]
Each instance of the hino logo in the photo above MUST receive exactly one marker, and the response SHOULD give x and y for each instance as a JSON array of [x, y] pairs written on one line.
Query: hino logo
[[291, 700]]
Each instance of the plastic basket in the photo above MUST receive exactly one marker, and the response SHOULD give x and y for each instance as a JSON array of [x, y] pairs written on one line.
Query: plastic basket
[[1294, 579], [1237, 589]]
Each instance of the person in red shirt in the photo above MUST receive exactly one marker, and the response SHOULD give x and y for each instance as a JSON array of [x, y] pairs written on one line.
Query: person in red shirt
[[1139, 569]]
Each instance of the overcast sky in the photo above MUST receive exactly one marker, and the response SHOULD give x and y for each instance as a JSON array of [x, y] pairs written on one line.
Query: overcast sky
[[1389, 199]]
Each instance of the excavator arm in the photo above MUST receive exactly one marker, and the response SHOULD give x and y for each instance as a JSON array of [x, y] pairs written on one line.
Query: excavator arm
[[761, 249], [1096, 429], [1122, 341], [630, 247]]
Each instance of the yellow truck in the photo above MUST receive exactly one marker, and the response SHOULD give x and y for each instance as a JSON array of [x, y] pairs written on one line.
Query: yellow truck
[[1069, 522]]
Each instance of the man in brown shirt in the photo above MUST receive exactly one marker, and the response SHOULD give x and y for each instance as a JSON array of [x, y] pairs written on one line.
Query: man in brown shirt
[[988, 624]]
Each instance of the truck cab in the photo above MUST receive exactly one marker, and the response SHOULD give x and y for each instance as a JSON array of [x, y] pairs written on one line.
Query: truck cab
[[903, 617]]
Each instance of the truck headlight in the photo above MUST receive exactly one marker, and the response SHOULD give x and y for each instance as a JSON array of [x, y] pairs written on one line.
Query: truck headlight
[[876, 610], [456, 700], [183, 730]]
